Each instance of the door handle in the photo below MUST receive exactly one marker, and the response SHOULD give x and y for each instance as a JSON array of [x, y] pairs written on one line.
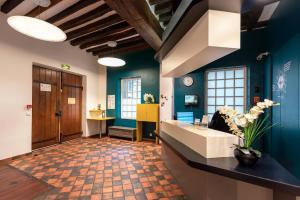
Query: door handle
[[58, 114]]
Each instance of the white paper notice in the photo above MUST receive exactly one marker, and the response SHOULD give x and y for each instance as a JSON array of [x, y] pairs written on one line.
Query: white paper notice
[[45, 87], [111, 102]]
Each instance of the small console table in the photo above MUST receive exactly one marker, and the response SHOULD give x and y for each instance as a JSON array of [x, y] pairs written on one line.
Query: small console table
[[100, 120]]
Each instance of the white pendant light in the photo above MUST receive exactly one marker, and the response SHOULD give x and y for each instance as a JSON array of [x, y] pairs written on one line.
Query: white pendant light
[[111, 61], [37, 28]]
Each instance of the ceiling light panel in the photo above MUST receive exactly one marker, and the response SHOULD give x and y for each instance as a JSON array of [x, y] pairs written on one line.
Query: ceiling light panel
[[268, 11]]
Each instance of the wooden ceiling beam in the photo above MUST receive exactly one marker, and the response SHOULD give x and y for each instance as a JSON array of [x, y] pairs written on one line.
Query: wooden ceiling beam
[[100, 24], [123, 50], [122, 43], [165, 17], [71, 10], [163, 8], [154, 2], [113, 37], [10, 5], [166, 23], [101, 33], [138, 14], [38, 10], [97, 12]]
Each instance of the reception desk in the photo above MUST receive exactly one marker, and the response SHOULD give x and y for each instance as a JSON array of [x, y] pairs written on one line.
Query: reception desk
[[221, 178]]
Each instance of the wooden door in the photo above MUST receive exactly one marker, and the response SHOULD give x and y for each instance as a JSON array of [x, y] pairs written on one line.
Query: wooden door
[[45, 104], [71, 123]]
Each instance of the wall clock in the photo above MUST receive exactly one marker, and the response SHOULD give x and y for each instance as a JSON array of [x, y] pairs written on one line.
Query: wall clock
[[188, 81]]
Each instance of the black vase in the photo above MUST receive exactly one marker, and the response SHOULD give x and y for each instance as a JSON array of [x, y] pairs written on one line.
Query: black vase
[[247, 160]]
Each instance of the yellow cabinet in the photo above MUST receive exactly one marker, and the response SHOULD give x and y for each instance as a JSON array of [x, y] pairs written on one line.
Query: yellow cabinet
[[146, 113]]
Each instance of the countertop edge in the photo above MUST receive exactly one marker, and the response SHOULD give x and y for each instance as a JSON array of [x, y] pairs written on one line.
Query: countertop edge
[[268, 183]]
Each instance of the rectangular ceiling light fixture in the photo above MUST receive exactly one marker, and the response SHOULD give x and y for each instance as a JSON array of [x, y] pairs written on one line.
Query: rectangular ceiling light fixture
[[215, 35], [268, 11]]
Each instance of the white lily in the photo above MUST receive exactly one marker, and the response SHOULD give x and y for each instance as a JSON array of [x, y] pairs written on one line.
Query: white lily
[[268, 103]]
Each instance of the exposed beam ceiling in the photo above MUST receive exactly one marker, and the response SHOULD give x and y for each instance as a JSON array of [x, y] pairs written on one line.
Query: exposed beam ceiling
[[163, 8], [154, 2], [123, 43], [71, 10], [10, 5], [97, 12], [38, 10], [165, 17], [100, 24], [122, 50], [138, 14], [106, 38], [101, 33], [90, 24]]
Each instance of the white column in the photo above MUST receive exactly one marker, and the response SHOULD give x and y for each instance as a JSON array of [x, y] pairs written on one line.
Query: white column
[[166, 103]]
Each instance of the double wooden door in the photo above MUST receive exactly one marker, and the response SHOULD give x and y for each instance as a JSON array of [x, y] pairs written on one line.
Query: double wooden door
[[56, 107]]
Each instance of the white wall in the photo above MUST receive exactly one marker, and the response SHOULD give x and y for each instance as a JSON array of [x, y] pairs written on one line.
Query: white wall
[[17, 53], [166, 105]]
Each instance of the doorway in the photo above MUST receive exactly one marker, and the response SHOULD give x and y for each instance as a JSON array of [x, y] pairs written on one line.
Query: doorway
[[56, 106]]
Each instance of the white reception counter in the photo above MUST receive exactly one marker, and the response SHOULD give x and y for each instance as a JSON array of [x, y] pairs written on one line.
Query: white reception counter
[[207, 142]]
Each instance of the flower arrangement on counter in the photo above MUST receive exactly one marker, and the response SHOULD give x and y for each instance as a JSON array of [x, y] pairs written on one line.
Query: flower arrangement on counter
[[249, 128], [148, 98]]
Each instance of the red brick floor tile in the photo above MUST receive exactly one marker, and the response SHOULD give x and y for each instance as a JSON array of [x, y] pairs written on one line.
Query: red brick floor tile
[[107, 189], [102, 169], [107, 195], [151, 196], [127, 186], [117, 188], [130, 198], [74, 194], [118, 194], [96, 197], [66, 189]]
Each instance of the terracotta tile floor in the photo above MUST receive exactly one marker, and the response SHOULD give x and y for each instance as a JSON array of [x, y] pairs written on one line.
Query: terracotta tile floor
[[102, 169]]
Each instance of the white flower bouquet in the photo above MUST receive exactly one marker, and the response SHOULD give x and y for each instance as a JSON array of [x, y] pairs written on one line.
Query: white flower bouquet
[[148, 98], [248, 127]]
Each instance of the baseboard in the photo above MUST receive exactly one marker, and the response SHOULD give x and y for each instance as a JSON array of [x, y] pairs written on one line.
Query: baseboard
[[9, 160], [94, 136], [149, 139]]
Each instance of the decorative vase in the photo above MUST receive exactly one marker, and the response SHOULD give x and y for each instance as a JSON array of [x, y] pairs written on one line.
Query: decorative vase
[[247, 160]]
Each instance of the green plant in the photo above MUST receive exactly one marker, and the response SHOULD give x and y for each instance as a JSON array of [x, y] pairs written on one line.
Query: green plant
[[249, 127]]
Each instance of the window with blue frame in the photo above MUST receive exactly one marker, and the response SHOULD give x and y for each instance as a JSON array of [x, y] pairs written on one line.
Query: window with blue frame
[[130, 96], [226, 86]]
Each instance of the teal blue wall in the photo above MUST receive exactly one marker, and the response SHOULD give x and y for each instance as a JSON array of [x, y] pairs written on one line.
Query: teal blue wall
[[139, 64], [284, 45], [252, 43]]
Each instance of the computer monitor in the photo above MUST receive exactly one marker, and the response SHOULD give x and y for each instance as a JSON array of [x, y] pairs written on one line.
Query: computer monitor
[[190, 100], [186, 117]]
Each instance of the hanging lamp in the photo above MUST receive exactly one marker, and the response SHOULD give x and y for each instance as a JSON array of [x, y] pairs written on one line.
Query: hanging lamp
[[37, 28], [111, 61]]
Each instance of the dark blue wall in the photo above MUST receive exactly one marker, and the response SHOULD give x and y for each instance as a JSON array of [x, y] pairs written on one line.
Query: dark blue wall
[[139, 64], [252, 44], [283, 64]]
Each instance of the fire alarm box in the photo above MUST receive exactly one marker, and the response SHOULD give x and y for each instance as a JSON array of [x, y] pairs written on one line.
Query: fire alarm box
[[256, 99]]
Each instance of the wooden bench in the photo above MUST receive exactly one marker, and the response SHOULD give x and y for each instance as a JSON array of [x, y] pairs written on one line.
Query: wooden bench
[[120, 131]]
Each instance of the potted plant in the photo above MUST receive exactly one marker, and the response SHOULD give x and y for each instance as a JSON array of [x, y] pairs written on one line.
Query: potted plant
[[249, 127], [148, 98]]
